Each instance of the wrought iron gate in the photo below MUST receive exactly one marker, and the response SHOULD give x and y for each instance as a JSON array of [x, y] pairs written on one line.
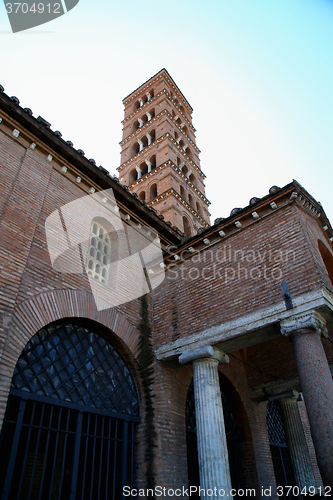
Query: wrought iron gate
[[69, 426], [284, 474]]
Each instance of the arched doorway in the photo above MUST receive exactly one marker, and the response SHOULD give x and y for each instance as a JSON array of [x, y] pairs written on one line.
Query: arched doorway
[[68, 431], [232, 432]]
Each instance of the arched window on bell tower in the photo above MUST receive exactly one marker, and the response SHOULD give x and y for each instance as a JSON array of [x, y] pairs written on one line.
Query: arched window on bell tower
[[187, 226]]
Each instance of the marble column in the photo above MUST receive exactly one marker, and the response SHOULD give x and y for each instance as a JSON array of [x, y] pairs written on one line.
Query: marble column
[[297, 445], [316, 382], [211, 437]]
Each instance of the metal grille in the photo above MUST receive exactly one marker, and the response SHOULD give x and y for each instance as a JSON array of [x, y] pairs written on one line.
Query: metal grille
[[70, 362], [56, 448], [275, 428], [283, 470]]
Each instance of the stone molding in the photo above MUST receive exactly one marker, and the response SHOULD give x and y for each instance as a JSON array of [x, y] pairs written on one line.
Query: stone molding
[[207, 352], [305, 323], [291, 394]]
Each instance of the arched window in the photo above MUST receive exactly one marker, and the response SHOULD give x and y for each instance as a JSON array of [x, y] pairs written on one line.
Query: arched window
[[182, 192], [133, 175], [142, 196], [99, 253], [143, 168], [198, 208], [190, 200], [69, 425], [153, 191], [187, 226], [152, 135], [135, 148], [192, 179], [152, 160], [136, 125]]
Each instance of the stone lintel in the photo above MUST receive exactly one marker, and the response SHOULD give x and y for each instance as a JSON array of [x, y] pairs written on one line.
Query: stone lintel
[[262, 324], [291, 394], [304, 323], [205, 352], [262, 392]]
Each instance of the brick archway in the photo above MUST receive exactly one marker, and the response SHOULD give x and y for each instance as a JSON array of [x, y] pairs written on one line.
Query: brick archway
[[32, 315]]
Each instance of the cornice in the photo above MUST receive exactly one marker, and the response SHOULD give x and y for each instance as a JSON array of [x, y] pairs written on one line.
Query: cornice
[[161, 74], [173, 192], [153, 120], [152, 146], [153, 100], [178, 171], [257, 210]]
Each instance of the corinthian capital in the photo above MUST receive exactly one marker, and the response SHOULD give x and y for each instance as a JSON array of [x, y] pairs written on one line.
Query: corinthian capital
[[304, 323]]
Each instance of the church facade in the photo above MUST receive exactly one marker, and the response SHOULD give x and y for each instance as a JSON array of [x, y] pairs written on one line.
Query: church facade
[[144, 351]]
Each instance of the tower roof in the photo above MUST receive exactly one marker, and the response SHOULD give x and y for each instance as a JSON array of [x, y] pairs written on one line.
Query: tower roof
[[163, 73]]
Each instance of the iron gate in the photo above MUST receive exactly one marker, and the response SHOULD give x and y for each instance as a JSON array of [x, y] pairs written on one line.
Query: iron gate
[[283, 470]]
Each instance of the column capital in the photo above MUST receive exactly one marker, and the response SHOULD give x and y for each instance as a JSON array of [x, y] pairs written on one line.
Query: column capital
[[304, 323], [207, 352]]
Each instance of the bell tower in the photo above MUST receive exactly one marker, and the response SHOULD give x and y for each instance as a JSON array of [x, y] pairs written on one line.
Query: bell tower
[[159, 156]]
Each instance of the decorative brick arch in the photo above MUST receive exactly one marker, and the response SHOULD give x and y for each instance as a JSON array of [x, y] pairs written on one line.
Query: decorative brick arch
[[37, 312]]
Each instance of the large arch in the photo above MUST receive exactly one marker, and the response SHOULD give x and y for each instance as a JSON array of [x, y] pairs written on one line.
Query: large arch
[[71, 416], [33, 314]]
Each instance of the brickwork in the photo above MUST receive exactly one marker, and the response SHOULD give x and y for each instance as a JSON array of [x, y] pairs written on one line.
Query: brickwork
[[233, 269], [157, 131], [242, 273]]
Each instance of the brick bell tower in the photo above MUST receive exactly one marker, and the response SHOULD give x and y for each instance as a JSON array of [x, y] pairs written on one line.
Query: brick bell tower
[[159, 156]]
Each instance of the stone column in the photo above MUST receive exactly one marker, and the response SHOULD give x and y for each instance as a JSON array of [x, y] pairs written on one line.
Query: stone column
[[138, 169], [316, 382], [296, 441], [211, 437]]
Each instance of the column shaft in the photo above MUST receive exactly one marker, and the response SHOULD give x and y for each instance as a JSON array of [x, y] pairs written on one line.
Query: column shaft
[[297, 445], [317, 387], [211, 436]]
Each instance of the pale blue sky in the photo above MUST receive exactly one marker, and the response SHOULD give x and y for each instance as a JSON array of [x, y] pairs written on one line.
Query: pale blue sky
[[258, 74]]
